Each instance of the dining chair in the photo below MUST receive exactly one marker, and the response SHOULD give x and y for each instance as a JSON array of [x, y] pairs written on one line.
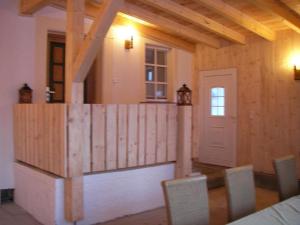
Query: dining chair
[[187, 201], [286, 174], [240, 189]]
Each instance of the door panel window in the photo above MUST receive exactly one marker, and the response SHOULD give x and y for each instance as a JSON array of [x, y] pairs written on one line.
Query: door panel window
[[217, 101]]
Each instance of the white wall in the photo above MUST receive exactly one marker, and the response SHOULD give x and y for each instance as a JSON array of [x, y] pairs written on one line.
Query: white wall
[[121, 78], [106, 195], [17, 61]]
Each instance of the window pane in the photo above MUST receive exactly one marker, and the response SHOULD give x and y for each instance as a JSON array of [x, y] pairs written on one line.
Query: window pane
[[149, 73], [214, 101], [150, 90], [150, 55], [161, 74], [161, 91], [214, 111], [58, 56], [214, 92], [161, 57], [57, 73], [221, 111], [59, 92], [220, 91], [220, 101]]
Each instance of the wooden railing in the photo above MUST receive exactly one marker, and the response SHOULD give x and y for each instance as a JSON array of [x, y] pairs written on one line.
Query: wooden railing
[[114, 136]]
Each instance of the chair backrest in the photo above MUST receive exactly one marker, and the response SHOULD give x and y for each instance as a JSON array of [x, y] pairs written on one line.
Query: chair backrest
[[187, 201], [286, 173], [240, 189]]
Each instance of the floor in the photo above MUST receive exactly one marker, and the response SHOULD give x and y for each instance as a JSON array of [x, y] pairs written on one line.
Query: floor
[[10, 214]]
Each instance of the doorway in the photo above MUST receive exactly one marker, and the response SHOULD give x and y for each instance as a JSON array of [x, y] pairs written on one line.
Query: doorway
[[56, 71], [218, 117]]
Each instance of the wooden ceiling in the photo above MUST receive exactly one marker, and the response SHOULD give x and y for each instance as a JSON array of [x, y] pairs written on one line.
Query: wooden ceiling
[[212, 22]]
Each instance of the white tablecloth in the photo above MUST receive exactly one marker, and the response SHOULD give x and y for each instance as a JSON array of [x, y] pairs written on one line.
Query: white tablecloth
[[283, 213]]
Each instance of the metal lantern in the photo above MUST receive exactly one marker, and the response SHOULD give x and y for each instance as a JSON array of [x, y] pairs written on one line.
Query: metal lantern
[[184, 96], [25, 94]]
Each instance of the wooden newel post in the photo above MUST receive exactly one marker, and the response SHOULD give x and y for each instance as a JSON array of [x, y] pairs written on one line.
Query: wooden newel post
[[184, 139]]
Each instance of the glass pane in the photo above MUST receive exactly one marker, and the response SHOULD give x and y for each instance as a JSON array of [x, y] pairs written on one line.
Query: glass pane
[[150, 55], [59, 92], [161, 57], [220, 101], [214, 111], [214, 101], [221, 111], [149, 73], [57, 73], [58, 55], [161, 74], [220, 91], [150, 90], [214, 92], [161, 91]]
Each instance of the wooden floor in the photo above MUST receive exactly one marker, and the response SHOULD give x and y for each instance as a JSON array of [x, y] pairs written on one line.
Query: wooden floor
[[218, 209], [10, 214]]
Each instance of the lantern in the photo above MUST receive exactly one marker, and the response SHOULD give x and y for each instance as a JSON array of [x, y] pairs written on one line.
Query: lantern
[[184, 96], [25, 94]]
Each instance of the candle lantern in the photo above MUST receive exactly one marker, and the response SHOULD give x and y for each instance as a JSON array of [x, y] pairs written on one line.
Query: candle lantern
[[25, 94], [184, 96]]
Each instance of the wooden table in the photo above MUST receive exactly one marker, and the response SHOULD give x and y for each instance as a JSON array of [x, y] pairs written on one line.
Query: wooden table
[[283, 213]]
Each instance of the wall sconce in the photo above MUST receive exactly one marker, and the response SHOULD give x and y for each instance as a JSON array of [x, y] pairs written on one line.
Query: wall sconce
[[297, 73], [128, 44]]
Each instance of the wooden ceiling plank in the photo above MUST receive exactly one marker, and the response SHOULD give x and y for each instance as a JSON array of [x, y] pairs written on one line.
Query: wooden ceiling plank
[[197, 19], [168, 24], [239, 17], [280, 9], [94, 38], [28, 7]]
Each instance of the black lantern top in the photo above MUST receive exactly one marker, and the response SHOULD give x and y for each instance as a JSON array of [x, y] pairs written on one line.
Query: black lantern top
[[25, 94], [184, 96]]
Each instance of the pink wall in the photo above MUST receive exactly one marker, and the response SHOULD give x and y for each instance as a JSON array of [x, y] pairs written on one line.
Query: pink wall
[[17, 47]]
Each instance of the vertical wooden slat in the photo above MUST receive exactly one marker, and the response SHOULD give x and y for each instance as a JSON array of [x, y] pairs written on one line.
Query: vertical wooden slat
[[111, 137], [86, 138], [172, 132], [75, 158], [150, 134], [98, 137], [17, 133], [122, 136], [141, 134], [132, 135], [49, 129], [161, 134], [184, 142]]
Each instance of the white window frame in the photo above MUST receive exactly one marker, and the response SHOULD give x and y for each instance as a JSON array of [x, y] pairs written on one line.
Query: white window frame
[[155, 65]]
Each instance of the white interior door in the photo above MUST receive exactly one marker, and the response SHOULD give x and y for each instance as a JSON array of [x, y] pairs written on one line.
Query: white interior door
[[218, 117]]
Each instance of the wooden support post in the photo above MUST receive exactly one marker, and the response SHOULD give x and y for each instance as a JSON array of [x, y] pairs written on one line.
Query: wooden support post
[[184, 142], [74, 94]]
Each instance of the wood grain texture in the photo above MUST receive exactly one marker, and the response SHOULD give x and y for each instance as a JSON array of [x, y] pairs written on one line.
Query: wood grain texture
[[122, 136], [98, 137], [268, 97], [40, 136], [184, 142], [132, 135]]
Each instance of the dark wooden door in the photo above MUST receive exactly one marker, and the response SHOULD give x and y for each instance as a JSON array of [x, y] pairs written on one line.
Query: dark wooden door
[[56, 78]]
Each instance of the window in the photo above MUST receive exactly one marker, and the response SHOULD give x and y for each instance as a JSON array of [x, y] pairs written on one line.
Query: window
[[156, 73], [217, 101]]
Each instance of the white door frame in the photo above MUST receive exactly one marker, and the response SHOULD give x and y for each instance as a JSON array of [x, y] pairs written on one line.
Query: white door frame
[[210, 73]]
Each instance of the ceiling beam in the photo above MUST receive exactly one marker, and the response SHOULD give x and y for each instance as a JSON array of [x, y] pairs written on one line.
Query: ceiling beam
[[239, 18], [197, 19], [94, 38], [28, 7], [170, 25], [291, 19]]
